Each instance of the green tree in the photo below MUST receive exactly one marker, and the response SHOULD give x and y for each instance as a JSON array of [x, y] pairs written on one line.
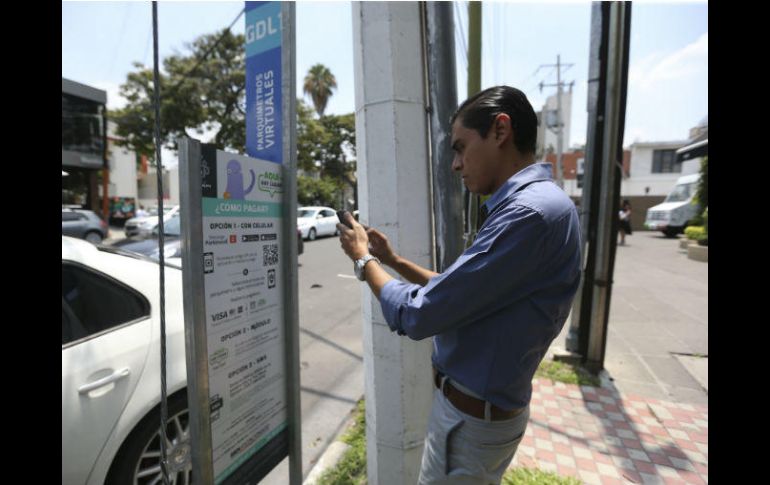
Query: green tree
[[312, 191], [319, 83], [204, 90], [702, 191]]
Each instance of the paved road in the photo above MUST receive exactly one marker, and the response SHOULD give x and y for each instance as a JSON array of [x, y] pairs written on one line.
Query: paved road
[[331, 356], [657, 345]]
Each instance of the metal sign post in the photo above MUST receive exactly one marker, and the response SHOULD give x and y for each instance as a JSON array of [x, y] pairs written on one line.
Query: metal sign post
[[240, 274]]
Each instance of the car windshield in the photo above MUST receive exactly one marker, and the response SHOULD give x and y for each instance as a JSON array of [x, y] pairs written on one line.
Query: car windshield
[[305, 213], [680, 193], [171, 227]]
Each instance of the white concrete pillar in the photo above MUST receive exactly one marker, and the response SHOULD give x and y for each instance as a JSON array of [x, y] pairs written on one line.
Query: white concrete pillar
[[394, 196]]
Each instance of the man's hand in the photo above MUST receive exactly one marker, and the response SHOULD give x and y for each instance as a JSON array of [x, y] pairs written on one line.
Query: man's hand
[[380, 247], [354, 241]]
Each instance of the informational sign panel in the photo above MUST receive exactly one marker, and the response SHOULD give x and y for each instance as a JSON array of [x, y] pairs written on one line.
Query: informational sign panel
[[239, 259], [263, 81], [236, 337], [244, 314]]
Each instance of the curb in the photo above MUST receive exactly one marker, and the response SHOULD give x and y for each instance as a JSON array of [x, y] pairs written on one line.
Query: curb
[[332, 454]]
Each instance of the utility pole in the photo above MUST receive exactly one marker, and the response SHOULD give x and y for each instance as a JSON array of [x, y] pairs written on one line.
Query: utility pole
[[607, 93], [559, 123], [472, 201], [395, 196]]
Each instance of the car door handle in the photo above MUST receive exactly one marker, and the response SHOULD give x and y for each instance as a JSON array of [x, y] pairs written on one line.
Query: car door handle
[[115, 376]]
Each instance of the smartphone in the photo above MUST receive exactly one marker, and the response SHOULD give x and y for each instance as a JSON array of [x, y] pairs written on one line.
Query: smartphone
[[341, 217]]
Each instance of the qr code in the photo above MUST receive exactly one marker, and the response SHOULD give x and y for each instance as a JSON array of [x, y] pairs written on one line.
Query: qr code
[[269, 255]]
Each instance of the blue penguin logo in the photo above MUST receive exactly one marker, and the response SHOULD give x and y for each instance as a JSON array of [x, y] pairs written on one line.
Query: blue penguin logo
[[235, 181]]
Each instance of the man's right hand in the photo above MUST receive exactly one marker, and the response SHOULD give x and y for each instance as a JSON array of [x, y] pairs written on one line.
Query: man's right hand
[[380, 247]]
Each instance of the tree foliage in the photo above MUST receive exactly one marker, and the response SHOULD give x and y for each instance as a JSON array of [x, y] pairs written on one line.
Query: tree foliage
[[323, 191], [319, 84], [702, 191], [204, 90]]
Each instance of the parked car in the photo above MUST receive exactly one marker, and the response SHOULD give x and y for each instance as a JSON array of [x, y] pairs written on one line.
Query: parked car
[[83, 224], [672, 216], [143, 226], [110, 368], [317, 221]]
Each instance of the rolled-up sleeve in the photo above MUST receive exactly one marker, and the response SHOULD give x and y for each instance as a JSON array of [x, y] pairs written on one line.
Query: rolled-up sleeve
[[503, 261], [393, 296]]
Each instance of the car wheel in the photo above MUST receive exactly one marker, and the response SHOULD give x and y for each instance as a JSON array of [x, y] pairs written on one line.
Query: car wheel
[[670, 232], [138, 461], [311, 234], [94, 237]]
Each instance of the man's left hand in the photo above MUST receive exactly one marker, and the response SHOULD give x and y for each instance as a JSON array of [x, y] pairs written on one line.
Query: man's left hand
[[354, 241]]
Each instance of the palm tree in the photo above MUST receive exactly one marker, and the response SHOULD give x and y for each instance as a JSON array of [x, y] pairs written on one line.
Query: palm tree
[[319, 84]]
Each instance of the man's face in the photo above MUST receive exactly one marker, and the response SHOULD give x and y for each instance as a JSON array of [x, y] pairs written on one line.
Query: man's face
[[475, 158]]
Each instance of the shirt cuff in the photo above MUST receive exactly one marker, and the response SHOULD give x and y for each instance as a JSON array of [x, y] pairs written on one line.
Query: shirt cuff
[[392, 296]]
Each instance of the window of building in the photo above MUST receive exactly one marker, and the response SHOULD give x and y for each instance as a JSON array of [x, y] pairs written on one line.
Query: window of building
[[82, 125], [664, 161], [92, 303]]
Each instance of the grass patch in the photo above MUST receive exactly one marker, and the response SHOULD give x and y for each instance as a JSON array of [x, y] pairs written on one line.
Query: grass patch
[[528, 476], [351, 469], [567, 373]]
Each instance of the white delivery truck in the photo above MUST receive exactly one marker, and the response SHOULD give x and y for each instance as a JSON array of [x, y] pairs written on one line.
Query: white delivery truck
[[672, 215]]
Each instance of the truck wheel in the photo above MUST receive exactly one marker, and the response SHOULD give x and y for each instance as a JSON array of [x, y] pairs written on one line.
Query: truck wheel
[[671, 232]]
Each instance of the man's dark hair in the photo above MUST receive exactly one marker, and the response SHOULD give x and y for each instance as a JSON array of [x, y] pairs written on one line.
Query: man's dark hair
[[479, 111]]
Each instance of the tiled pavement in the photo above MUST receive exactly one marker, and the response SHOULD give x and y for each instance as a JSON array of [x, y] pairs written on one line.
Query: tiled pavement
[[602, 437]]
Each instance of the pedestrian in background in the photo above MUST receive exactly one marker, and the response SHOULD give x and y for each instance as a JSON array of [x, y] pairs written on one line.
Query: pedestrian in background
[[625, 221]]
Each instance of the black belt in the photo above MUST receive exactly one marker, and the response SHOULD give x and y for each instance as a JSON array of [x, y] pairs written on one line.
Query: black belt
[[469, 404]]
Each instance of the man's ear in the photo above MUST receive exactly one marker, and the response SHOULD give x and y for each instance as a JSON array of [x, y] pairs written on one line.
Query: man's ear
[[503, 129]]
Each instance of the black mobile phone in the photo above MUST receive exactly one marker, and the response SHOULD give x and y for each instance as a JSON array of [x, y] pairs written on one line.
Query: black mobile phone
[[341, 217]]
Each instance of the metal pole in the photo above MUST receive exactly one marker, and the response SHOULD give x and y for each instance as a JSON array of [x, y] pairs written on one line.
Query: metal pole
[[474, 48], [442, 99], [291, 292], [577, 338], [472, 201], [161, 244], [614, 115], [191, 223], [559, 126]]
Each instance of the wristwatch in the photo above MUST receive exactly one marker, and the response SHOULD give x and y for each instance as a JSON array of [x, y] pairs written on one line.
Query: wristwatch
[[358, 265]]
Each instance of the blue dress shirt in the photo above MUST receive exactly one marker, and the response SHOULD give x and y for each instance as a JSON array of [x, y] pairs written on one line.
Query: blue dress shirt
[[496, 310]]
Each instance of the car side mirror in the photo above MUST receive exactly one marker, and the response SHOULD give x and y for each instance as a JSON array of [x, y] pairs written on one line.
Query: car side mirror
[[319, 216]]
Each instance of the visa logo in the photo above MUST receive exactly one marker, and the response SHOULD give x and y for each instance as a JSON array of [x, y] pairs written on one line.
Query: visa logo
[[218, 316]]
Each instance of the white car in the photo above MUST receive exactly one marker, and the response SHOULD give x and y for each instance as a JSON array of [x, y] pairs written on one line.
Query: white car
[[110, 393], [143, 226], [317, 221]]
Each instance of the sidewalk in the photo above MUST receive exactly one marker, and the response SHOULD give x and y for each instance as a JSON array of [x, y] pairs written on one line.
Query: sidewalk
[[603, 437]]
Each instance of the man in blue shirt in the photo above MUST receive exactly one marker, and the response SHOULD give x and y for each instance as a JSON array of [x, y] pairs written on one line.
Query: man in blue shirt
[[495, 311]]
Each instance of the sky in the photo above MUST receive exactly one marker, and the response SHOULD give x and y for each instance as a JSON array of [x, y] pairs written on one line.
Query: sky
[[668, 74]]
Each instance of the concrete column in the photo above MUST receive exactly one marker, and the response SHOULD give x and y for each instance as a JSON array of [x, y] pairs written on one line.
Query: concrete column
[[394, 196]]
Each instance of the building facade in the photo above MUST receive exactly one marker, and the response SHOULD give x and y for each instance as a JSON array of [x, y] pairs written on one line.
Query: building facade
[[84, 141]]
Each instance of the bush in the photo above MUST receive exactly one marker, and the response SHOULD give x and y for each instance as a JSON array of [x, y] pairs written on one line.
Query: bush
[[703, 240], [706, 220], [694, 232], [696, 221]]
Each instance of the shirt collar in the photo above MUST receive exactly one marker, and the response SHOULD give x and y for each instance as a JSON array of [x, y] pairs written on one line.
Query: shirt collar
[[531, 172]]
